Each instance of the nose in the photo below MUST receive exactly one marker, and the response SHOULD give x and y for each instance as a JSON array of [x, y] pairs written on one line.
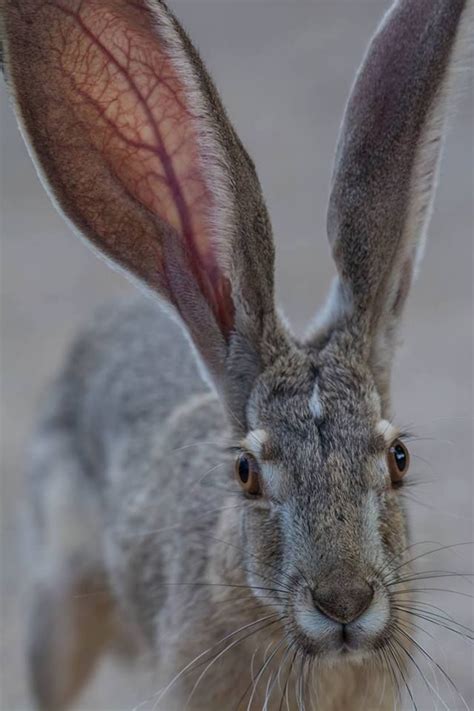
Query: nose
[[343, 598]]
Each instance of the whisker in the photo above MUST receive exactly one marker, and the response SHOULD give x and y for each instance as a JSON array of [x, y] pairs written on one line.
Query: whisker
[[437, 620], [399, 665], [388, 664], [428, 685], [414, 482], [302, 682], [284, 587], [218, 585], [430, 574], [414, 576], [407, 627], [188, 666], [377, 661], [389, 562], [267, 689], [262, 671], [299, 689], [410, 497], [422, 590], [218, 487], [252, 675], [421, 604], [436, 550], [269, 692], [284, 695], [199, 481], [314, 686], [224, 651], [257, 558], [410, 624], [438, 666], [252, 672], [252, 661], [250, 598]]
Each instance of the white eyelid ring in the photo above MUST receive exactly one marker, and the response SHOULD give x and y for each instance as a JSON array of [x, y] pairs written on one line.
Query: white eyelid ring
[[254, 442]]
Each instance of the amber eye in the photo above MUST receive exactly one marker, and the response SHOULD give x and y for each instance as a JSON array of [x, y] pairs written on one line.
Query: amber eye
[[398, 460], [247, 473]]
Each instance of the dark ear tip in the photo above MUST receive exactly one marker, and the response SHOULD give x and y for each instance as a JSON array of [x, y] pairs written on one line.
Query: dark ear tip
[[2, 36], [3, 65], [3, 41], [2, 58]]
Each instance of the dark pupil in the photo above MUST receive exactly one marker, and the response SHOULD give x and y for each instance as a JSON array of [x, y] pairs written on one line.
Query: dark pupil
[[400, 457], [244, 470]]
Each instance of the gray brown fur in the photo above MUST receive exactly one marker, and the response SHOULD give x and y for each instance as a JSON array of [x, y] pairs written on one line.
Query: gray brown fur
[[141, 528]]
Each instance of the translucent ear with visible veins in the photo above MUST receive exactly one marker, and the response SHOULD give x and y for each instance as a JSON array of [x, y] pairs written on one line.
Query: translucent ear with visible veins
[[386, 168], [129, 134]]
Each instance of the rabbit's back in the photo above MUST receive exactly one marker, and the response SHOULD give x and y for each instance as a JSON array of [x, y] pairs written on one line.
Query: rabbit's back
[[100, 475]]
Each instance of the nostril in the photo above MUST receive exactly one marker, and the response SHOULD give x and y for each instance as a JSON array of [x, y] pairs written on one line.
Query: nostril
[[344, 602]]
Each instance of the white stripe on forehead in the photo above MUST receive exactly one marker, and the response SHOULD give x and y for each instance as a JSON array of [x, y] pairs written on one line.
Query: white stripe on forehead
[[315, 405], [387, 430], [255, 441], [376, 402]]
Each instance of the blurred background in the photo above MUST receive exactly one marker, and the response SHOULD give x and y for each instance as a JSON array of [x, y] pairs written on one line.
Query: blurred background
[[284, 69]]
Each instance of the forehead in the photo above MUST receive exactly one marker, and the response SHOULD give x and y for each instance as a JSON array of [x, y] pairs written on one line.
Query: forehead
[[311, 405]]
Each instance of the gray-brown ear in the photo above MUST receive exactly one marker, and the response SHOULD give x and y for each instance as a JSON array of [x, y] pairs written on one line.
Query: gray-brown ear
[[386, 168], [127, 130]]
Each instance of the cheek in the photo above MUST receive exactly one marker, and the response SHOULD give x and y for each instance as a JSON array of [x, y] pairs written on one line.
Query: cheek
[[393, 525], [261, 546]]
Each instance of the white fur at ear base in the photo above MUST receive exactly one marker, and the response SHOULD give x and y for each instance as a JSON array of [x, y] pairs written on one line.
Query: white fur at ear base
[[336, 309]]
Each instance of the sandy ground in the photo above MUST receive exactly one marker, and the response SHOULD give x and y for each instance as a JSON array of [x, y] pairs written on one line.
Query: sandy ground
[[284, 69]]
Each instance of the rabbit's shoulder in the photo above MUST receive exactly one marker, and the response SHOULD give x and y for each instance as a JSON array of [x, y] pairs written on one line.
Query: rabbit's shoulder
[[125, 374]]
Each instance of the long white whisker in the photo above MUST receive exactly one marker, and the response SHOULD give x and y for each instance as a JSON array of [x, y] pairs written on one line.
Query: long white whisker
[[224, 651], [269, 692], [262, 672], [161, 694], [440, 668]]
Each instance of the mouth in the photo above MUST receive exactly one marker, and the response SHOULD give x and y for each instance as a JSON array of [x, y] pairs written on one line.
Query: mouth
[[336, 650], [334, 647], [326, 638]]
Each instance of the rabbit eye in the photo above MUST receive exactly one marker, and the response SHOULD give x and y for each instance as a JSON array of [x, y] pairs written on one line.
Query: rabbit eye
[[247, 473], [398, 459]]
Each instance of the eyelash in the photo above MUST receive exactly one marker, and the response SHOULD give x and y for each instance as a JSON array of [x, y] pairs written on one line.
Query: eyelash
[[407, 435]]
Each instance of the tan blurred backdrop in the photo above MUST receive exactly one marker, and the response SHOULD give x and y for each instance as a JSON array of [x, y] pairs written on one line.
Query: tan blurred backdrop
[[284, 69]]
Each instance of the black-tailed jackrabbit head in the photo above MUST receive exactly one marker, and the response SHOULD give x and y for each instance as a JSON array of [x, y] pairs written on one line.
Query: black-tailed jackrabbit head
[[130, 137]]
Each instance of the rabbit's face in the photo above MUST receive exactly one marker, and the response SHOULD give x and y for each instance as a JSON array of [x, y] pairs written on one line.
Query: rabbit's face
[[324, 526]]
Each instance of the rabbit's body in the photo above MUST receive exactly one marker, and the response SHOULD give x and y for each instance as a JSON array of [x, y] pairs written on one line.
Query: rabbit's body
[[111, 406], [84, 481], [122, 534], [251, 536]]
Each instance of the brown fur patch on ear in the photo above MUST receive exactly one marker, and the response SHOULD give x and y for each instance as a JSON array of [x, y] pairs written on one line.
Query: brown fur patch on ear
[[110, 120]]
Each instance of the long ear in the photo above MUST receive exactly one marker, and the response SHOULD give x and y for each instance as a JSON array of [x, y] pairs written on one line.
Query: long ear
[[386, 169], [127, 130]]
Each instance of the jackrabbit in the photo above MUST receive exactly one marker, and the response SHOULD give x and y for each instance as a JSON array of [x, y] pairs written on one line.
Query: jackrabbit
[[232, 506]]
